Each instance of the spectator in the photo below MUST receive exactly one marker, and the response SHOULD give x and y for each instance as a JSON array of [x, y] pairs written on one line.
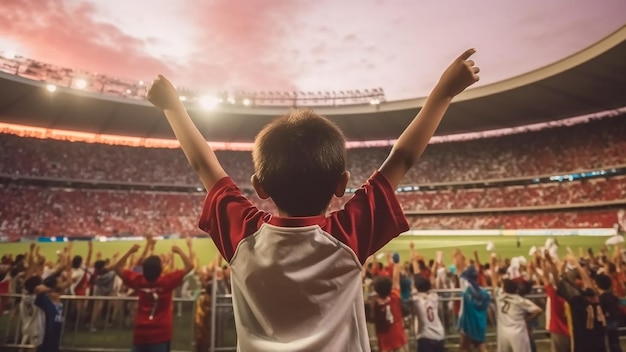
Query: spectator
[[152, 331], [473, 319]]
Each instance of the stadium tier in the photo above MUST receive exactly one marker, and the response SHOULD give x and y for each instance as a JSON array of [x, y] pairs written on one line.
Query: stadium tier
[[587, 146], [40, 198], [28, 211]]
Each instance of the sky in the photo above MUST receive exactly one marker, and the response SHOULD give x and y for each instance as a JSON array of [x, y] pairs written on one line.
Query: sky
[[401, 46]]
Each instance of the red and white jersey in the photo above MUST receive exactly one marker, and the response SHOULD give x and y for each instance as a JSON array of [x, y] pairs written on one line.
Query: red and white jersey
[[296, 282], [556, 319], [429, 325], [80, 281]]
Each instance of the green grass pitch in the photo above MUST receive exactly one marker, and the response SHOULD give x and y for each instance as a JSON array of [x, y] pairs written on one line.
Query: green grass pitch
[[505, 246]]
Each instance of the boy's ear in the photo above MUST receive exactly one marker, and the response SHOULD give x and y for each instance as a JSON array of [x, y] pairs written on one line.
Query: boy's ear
[[258, 187], [341, 185]]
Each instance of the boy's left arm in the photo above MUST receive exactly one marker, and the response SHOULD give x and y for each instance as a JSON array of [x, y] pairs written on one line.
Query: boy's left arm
[[413, 141]]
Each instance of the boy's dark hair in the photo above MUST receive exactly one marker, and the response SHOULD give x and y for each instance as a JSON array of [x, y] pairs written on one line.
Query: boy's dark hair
[[603, 282], [77, 261], [382, 286], [152, 268], [31, 283], [99, 265], [510, 286], [422, 284], [299, 160], [19, 258]]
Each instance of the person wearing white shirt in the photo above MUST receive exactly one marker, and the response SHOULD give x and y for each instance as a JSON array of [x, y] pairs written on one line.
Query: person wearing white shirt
[[430, 332], [512, 313]]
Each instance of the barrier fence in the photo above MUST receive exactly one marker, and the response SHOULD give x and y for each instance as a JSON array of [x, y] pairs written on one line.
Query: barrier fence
[[113, 321]]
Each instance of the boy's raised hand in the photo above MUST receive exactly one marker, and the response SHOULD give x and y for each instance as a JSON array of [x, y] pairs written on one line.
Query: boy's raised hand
[[461, 74], [162, 94]]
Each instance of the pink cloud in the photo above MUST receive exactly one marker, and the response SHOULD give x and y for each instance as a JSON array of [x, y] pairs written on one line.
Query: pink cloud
[[241, 44], [65, 35]]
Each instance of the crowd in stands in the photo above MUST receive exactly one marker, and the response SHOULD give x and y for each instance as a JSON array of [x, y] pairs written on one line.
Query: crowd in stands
[[557, 219], [55, 211], [28, 211], [550, 194], [587, 146]]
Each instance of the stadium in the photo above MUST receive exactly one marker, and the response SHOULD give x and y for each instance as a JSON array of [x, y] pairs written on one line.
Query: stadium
[[527, 163]]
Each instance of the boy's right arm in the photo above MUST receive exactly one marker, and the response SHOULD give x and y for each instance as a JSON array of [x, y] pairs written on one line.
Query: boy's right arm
[[411, 144], [201, 157]]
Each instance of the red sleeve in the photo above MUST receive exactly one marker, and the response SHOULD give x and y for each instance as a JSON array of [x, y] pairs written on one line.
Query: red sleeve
[[171, 281], [370, 219], [229, 217], [130, 278]]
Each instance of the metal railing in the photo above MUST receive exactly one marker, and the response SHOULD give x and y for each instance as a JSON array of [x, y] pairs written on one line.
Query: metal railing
[[114, 330]]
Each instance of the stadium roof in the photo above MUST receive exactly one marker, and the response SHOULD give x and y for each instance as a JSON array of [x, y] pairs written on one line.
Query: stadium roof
[[589, 81]]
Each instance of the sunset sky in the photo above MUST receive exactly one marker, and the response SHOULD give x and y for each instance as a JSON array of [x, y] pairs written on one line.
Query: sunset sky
[[399, 45]]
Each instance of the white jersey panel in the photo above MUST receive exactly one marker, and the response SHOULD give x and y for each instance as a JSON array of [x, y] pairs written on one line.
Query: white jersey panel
[[307, 293]]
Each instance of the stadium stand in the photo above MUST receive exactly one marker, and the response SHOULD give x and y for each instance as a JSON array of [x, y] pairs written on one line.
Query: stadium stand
[[61, 208], [600, 143]]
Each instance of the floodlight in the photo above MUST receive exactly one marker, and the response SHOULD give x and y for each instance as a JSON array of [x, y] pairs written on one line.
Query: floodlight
[[9, 54], [246, 102], [208, 102], [374, 101], [51, 88], [80, 84], [182, 98]]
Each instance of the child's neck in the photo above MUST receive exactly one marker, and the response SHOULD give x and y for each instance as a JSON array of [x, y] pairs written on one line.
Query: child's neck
[[284, 214]]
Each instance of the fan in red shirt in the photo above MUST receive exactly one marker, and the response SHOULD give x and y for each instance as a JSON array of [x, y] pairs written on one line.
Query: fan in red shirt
[[556, 320], [152, 331], [387, 311]]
